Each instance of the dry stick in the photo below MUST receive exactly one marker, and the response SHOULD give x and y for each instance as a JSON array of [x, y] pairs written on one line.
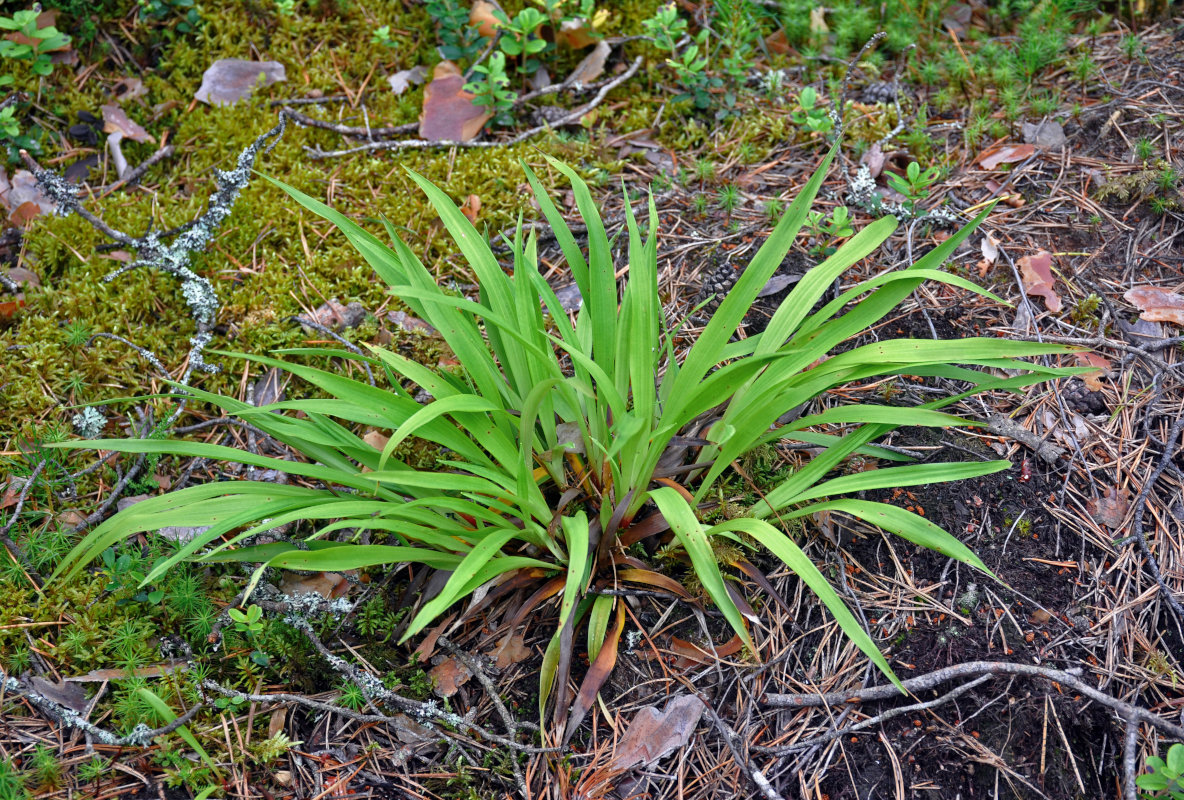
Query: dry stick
[[373, 688], [140, 736], [411, 144], [13, 548], [133, 177], [512, 727], [1129, 752], [975, 668], [1137, 518], [867, 723]]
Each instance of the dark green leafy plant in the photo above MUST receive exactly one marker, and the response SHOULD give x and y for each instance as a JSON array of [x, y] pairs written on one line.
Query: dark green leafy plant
[[491, 90], [459, 40], [561, 442], [1166, 779], [36, 55], [914, 184]]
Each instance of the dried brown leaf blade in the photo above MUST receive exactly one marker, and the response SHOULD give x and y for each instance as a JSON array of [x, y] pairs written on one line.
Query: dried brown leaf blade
[[449, 114], [653, 734]]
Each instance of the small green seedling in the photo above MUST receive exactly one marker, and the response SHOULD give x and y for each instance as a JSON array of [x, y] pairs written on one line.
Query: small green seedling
[[810, 115], [249, 622], [44, 40], [914, 185]]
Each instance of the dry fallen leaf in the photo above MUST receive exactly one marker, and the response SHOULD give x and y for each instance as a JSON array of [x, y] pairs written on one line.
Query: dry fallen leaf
[[229, 80], [990, 249], [67, 695], [128, 89], [471, 208], [510, 650], [449, 675], [1036, 272], [1157, 305], [335, 316], [592, 67], [1110, 509], [1004, 154], [404, 79], [576, 34], [653, 734], [449, 114], [327, 584], [1093, 380]]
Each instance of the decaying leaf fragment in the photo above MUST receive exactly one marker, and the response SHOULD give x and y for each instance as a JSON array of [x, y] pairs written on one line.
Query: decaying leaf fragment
[[653, 734], [449, 114], [1157, 305], [1004, 154], [1036, 272], [449, 675], [229, 80], [1110, 509]]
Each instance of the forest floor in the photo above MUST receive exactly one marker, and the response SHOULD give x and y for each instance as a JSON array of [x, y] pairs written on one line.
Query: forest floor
[[1085, 532]]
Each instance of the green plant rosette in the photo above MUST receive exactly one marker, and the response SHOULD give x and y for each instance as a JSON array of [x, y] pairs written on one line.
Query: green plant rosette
[[562, 439]]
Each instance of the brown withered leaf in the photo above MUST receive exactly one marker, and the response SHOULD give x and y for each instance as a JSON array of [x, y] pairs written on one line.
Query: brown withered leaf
[[1110, 509], [128, 89], [1093, 380], [592, 66], [509, 651], [269, 388], [471, 208], [1004, 154], [1157, 305], [448, 676], [576, 34], [68, 695], [653, 734], [229, 80], [1036, 272], [117, 674], [327, 584], [449, 114]]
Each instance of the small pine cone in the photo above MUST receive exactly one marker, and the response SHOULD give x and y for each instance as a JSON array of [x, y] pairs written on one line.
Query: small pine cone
[[718, 282], [1079, 398], [880, 92]]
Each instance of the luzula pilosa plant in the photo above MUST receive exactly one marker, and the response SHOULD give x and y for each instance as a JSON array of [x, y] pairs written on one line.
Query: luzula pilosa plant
[[561, 442]]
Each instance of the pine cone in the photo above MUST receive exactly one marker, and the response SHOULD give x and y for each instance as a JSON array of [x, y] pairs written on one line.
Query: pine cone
[[717, 282], [879, 92], [1079, 398]]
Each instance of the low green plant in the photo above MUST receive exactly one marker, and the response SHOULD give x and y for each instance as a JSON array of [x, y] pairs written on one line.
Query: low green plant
[[250, 623], [491, 90], [826, 230], [729, 198], [809, 115], [914, 184], [1166, 778], [1144, 149], [181, 16], [37, 54], [45, 771], [12, 783], [459, 39], [553, 435]]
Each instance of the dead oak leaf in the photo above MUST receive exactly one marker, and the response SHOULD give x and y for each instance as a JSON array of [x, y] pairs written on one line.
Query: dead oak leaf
[[510, 651], [1110, 509], [653, 734], [448, 676], [1157, 305], [1036, 272], [449, 113], [1093, 380]]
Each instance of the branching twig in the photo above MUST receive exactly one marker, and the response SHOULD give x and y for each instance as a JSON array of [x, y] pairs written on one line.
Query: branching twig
[[974, 669], [421, 144]]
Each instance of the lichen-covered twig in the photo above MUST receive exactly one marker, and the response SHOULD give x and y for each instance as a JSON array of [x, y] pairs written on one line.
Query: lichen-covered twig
[[141, 735]]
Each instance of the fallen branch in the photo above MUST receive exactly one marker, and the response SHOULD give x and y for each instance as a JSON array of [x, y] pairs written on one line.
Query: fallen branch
[[422, 144], [974, 669]]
